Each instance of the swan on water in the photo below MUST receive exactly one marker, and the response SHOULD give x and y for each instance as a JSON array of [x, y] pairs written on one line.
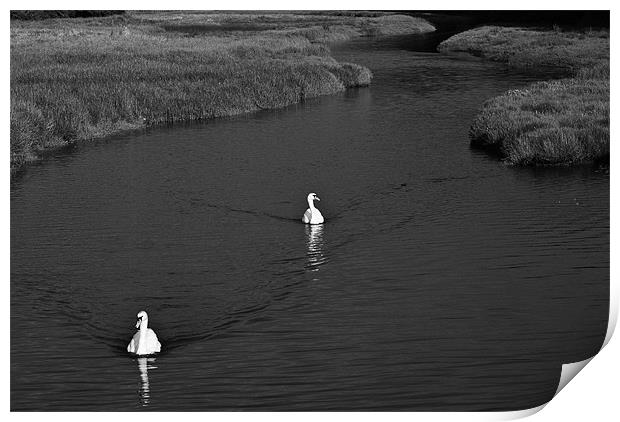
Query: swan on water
[[312, 215], [144, 342]]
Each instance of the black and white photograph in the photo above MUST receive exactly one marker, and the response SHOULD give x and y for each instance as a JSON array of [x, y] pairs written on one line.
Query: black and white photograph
[[341, 209]]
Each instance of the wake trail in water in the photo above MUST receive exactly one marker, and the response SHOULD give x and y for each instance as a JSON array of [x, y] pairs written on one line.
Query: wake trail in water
[[259, 214]]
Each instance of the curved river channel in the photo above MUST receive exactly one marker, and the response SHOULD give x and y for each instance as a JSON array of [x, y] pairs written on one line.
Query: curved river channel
[[442, 279]]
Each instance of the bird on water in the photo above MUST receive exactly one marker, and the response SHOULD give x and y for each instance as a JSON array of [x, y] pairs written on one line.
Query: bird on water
[[312, 214], [145, 341]]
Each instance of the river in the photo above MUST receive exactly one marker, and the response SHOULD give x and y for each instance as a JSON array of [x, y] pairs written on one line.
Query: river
[[441, 280]]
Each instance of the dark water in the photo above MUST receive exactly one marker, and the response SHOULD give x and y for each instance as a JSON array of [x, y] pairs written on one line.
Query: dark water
[[442, 279]]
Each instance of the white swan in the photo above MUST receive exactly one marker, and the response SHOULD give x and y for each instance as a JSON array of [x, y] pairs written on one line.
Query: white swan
[[144, 342], [312, 215]]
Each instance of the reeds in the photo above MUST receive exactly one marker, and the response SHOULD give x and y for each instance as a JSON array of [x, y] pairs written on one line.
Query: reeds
[[559, 122], [79, 79]]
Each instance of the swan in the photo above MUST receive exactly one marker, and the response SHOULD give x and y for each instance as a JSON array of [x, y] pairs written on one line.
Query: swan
[[312, 215], [144, 342]]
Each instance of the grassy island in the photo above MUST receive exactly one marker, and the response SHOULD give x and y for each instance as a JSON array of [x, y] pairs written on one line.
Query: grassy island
[[83, 78], [559, 122]]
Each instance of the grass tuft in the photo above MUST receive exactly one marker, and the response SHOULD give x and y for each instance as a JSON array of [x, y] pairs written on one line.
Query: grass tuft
[[561, 122]]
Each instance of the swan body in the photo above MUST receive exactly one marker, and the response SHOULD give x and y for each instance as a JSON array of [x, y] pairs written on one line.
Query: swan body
[[312, 214], [145, 341]]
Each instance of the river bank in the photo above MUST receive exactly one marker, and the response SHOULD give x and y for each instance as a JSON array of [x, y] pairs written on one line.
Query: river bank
[[79, 79], [559, 122]]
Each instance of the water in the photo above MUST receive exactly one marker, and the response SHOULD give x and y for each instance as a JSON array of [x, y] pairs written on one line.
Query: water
[[442, 280]]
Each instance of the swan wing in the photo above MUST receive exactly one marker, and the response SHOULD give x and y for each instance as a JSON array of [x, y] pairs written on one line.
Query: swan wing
[[133, 344], [153, 342], [307, 216], [317, 218]]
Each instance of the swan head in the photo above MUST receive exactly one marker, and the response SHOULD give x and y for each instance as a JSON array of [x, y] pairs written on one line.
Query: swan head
[[313, 197], [142, 317]]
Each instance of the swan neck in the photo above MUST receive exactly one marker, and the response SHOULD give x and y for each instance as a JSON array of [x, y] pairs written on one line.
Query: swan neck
[[311, 203], [142, 340]]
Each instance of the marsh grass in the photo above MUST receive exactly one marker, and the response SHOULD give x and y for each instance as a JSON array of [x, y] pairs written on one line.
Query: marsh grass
[[527, 48], [559, 122], [79, 79]]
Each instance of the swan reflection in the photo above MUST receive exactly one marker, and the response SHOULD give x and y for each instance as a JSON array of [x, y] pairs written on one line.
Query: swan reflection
[[314, 249], [144, 364]]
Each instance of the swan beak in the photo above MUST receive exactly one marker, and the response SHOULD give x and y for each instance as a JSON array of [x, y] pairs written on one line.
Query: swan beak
[[317, 198], [138, 323]]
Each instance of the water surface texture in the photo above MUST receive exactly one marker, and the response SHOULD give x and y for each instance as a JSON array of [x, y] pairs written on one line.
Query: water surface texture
[[442, 279]]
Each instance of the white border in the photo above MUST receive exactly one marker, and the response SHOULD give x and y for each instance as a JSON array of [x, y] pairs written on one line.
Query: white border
[[592, 395]]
